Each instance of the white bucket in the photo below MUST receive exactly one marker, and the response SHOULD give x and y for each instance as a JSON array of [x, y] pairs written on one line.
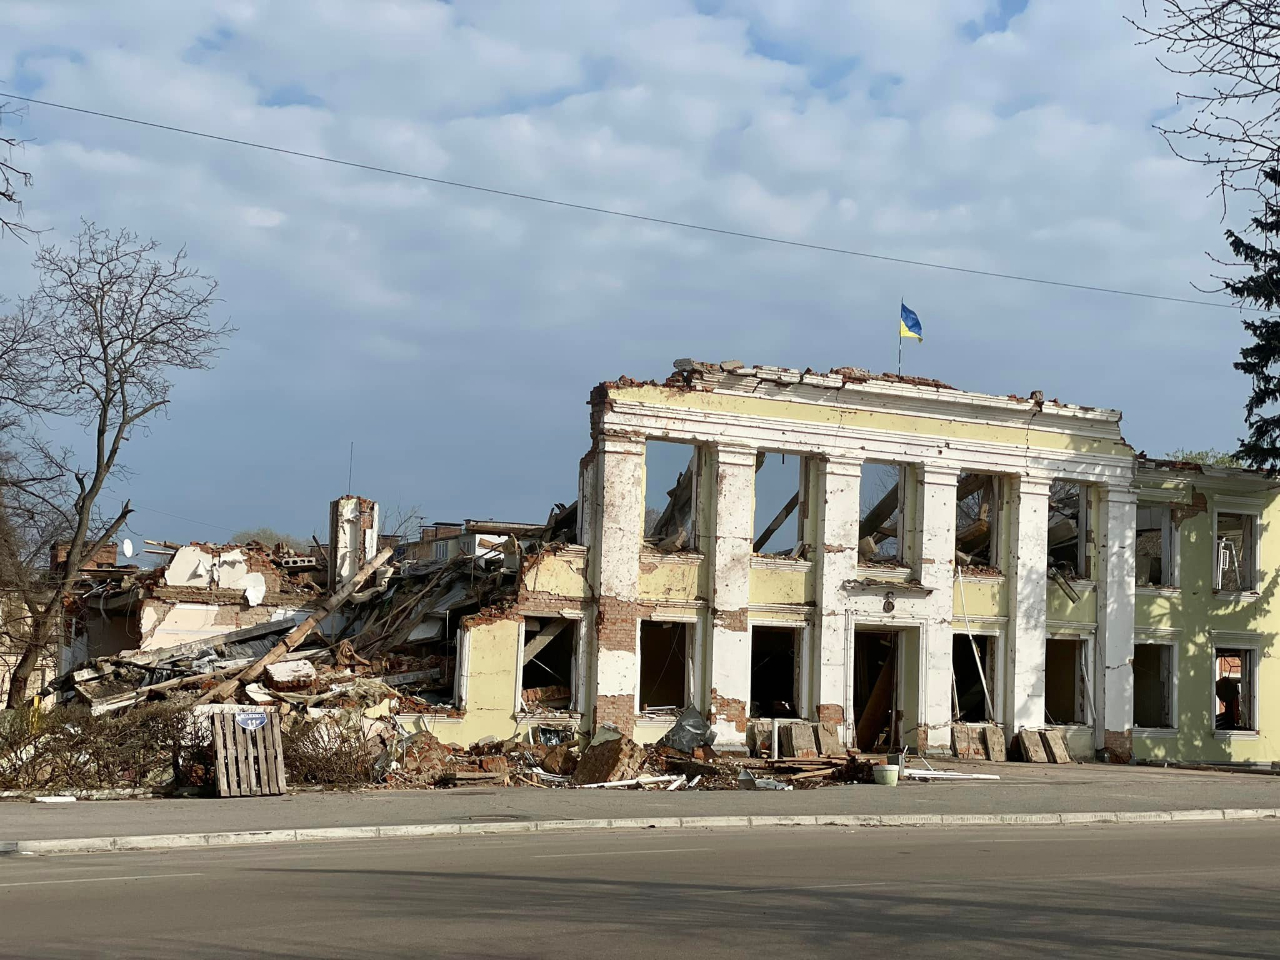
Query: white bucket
[[885, 775]]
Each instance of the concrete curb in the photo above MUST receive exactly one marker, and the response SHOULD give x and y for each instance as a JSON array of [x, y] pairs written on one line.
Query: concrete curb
[[415, 830]]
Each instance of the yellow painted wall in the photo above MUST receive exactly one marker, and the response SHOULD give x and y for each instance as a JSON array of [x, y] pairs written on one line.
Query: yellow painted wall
[[491, 690], [665, 579], [1084, 610], [563, 573], [987, 597], [904, 423], [1197, 611], [774, 584]]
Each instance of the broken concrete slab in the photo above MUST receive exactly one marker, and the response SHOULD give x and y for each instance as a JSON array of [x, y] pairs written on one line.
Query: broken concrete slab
[[1032, 746], [994, 737], [828, 736], [796, 740], [1055, 745]]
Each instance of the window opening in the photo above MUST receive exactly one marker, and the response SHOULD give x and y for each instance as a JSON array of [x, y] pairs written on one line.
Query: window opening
[[880, 529], [1152, 685], [977, 510], [775, 660], [1068, 527], [781, 507], [1233, 673], [1066, 685], [548, 669], [664, 656], [1155, 558], [670, 494], [971, 677], [1233, 558]]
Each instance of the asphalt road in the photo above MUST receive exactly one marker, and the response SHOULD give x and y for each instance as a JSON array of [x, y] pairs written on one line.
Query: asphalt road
[[1170, 890]]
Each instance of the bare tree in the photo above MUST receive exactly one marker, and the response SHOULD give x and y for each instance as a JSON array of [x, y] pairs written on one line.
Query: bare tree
[[12, 179], [98, 341], [1228, 51]]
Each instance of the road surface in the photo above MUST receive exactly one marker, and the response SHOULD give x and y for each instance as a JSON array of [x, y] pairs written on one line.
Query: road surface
[[1164, 890]]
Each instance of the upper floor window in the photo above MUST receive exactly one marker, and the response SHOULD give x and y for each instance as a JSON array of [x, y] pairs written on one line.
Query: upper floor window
[[881, 513], [781, 504], [1235, 567], [1157, 554], [1069, 528], [977, 514], [670, 494], [1235, 684]]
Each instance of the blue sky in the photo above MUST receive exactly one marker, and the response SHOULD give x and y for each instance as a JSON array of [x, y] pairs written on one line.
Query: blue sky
[[454, 337]]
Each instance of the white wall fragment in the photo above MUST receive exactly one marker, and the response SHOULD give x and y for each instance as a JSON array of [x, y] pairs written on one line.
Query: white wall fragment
[[255, 588], [190, 567]]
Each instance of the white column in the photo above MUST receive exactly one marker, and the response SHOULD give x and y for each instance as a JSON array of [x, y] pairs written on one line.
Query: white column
[[1117, 596], [616, 555], [1027, 583], [937, 572], [735, 472], [836, 561]]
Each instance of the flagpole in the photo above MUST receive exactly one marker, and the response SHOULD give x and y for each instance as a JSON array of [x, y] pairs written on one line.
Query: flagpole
[[900, 336]]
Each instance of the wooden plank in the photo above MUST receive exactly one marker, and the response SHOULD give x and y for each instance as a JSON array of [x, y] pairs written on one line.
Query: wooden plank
[[1032, 746], [242, 757], [250, 761], [233, 769], [264, 768], [299, 633], [274, 722], [220, 756]]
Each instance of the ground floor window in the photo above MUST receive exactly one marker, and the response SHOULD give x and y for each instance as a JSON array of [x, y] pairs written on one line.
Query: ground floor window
[[1234, 683], [664, 659], [1153, 680], [775, 671], [1066, 681], [548, 669], [972, 680]]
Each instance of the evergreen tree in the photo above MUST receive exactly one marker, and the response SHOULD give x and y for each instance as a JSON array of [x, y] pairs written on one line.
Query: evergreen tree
[[1261, 359]]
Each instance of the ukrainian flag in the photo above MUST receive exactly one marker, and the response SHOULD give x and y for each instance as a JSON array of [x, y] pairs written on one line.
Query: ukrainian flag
[[910, 324]]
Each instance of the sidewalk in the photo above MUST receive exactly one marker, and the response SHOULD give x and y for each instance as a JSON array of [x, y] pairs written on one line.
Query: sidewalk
[[1022, 789]]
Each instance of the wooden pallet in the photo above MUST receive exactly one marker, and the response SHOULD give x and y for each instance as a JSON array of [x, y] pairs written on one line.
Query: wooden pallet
[[250, 761]]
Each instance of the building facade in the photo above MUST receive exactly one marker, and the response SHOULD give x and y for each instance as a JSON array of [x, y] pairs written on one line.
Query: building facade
[[949, 560]]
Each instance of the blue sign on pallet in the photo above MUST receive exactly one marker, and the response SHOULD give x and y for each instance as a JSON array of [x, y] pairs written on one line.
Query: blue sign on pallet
[[252, 719]]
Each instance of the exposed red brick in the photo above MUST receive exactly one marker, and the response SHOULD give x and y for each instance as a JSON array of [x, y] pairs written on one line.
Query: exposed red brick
[[618, 710], [728, 709], [830, 713]]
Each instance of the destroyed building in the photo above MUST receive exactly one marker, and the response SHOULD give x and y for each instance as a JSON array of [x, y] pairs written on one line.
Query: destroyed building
[[938, 564]]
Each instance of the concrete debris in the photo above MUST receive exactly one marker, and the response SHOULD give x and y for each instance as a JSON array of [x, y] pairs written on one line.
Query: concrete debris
[[619, 758]]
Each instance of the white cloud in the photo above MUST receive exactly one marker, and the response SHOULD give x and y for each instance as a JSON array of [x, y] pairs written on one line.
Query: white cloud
[[879, 127]]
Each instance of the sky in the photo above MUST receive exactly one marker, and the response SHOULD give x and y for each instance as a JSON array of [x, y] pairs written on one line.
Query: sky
[[454, 336]]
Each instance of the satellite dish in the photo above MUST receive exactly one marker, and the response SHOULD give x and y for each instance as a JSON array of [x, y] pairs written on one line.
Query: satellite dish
[[127, 546]]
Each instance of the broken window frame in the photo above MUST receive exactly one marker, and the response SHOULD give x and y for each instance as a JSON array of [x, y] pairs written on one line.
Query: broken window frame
[[1082, 715], [1084, 503], [664, 527], [993, 522], [1170, 552], [1246, 558], [574, 623], [992, 676], [897, 517], [692, 645], [798, 505], [1169, 693], [1249, 701]]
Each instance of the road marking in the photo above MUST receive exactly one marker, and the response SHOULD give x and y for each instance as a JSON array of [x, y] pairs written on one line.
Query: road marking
[[152, 876], [618, 853]]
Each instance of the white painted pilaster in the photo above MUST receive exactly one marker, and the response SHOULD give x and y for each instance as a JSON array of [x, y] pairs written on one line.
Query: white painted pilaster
[[1027, 581], [616, 552], [730, 636], [1117, 596], [937, 572], [836, 555]]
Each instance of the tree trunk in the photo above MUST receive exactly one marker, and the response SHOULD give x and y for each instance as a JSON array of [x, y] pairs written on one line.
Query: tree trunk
[[22, 673]]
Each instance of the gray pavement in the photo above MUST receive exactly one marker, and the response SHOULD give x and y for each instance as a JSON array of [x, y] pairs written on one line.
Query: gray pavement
[[1175, 890], [1024, 788]]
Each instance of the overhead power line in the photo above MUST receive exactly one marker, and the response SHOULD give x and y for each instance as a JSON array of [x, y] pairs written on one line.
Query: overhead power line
[[203, 523], [681, 224]]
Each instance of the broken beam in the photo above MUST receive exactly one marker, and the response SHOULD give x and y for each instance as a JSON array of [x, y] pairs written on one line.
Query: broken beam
[[778, 521]]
